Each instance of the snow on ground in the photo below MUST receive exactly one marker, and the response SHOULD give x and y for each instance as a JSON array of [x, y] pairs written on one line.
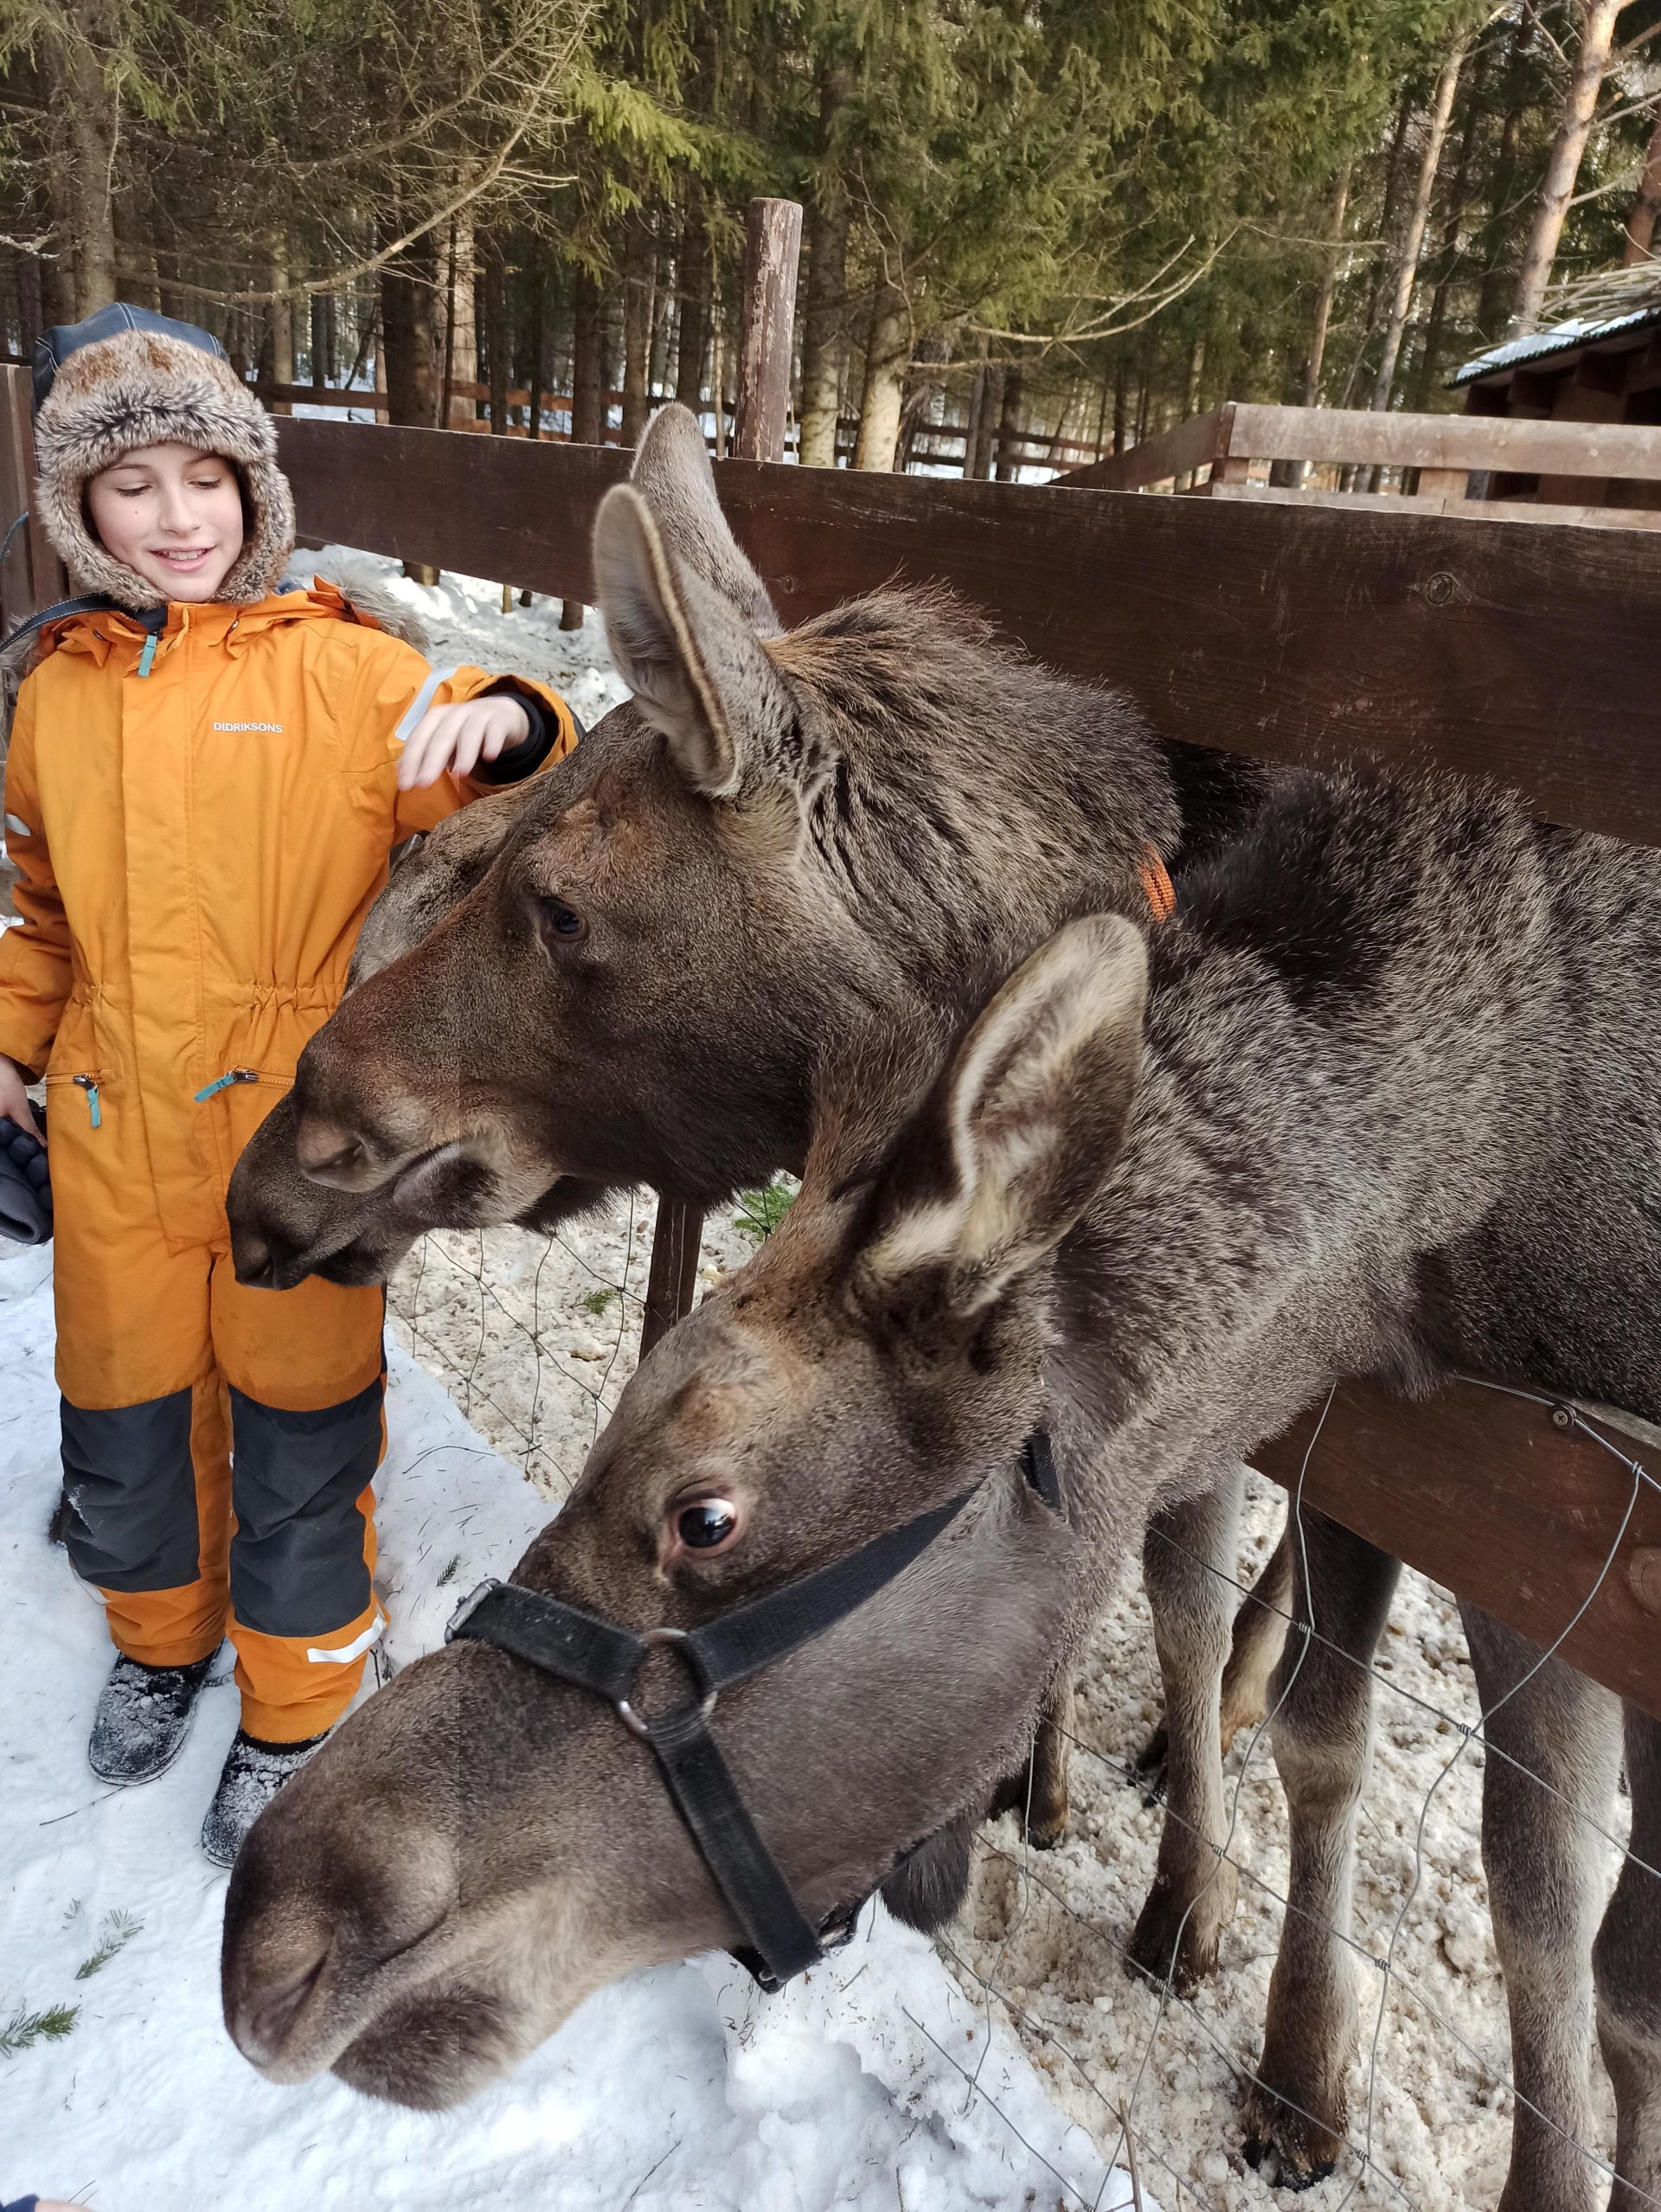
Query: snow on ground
[[837, 2091]]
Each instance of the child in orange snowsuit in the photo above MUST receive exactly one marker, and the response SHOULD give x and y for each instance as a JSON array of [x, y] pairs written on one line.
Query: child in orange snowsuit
[[206, 774]]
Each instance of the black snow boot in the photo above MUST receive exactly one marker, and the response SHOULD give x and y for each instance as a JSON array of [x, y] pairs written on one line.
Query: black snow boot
[[254, 1771], [143, 1719]]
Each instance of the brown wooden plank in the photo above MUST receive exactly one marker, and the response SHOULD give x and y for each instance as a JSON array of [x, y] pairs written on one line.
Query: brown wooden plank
[[1484, 1494], [1290, 632], [1473, 510], [1446, 441], [33, 576], [1193, 445]]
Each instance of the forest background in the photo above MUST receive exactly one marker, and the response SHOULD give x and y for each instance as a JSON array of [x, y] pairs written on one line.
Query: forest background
[[1058, 225]]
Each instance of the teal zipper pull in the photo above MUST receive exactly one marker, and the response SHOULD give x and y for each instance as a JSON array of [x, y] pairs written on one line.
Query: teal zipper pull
[[223, 1082], [148, 655], [89, 1084]]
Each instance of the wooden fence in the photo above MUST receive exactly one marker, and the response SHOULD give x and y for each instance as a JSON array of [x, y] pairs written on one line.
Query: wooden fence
[[1438, 453], [1424, 640]]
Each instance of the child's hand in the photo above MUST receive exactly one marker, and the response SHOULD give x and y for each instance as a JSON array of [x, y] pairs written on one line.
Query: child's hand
[[456, 738], [14, 1099]]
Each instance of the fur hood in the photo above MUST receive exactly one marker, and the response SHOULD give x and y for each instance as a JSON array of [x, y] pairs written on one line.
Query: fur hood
[[143, 388]]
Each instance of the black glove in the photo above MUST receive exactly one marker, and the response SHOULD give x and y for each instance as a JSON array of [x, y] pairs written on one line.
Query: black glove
[[25, 1182]]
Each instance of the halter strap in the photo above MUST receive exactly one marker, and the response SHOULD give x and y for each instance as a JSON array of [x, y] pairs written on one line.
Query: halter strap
[[605, 1658]]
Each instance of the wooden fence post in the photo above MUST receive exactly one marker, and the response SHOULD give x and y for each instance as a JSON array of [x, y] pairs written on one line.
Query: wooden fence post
[[773, 251], [772, 247], [31, 575]]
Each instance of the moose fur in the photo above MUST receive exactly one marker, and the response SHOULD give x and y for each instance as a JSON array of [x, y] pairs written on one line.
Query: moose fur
[[1392, 1114]]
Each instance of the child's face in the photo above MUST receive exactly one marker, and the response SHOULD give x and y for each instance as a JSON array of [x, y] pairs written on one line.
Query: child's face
[[173, 514]]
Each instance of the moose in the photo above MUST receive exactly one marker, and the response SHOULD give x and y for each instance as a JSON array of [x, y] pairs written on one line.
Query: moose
[[1279, 1203]]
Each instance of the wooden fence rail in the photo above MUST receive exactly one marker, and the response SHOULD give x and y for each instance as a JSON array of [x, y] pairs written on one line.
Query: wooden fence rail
[[1443, 449], [1425, 641]]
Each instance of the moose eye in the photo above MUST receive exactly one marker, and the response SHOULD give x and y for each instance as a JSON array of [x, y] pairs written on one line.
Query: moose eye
[[563, 921], [707, 1523]]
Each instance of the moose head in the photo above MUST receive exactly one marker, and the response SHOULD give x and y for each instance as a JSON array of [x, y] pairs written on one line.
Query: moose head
[[481, 1846], [626, 973]]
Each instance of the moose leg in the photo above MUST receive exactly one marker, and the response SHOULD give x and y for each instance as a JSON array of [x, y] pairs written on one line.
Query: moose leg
[[1188, 1561], [1259, 1633], [1321, 1704], [1541, 1860], [1037, 1792], [1259, 1639], [1627, 1967]]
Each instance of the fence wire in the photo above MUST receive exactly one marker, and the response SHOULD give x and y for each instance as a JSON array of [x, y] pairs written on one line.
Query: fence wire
[[532, 1334], [534, 1337]]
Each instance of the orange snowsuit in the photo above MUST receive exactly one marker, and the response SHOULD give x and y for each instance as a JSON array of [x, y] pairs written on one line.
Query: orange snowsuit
[[201, 821]]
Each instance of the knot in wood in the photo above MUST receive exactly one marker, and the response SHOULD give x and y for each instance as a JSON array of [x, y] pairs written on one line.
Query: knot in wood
[[1644, 1574]]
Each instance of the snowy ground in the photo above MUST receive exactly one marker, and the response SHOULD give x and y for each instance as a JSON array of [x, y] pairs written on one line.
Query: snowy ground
[[840, 2090]]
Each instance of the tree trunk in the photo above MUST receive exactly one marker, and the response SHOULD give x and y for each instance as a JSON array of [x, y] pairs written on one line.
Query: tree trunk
[[1120, 395], [282, 320], [827, 285], [1407, 267], [320, 347], [692, 340], [975, 443], [1191, 386], [538, 344], [1447, 259], [588, 410], [30, 310], [637, 330], [1329, 285], [495, 332], [1597, 36], [1386, 224], [887, 355], [405, 361], [1501, 187], [1640, 224], [1009, 428], [94, 120], [461, 338]]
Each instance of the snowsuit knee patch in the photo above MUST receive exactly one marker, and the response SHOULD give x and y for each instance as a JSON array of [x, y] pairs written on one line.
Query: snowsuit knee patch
[[296, 1559], [131, 1481]]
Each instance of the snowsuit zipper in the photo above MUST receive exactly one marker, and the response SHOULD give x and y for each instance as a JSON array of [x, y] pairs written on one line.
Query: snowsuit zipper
[[223, 1082]]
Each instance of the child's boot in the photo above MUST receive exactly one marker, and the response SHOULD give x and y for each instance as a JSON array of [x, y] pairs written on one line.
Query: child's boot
[[143, 1719], [254, 1771]]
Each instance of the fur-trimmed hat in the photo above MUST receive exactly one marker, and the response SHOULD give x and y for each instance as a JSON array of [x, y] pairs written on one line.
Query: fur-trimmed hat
[[144, 386]]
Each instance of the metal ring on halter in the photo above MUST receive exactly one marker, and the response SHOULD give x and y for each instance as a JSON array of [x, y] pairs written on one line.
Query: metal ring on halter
[[625, 1712]]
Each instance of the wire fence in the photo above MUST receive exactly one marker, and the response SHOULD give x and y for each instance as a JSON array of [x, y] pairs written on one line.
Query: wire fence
[[534, 1337], [532, 1334]]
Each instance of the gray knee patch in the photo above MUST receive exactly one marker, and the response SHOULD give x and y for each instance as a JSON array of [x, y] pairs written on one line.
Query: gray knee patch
[[130, 1480], [296, 1558]]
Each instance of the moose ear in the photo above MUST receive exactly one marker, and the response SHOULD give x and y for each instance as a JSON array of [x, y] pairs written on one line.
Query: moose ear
[[672, 473], [1025, 1127], [691, 659]]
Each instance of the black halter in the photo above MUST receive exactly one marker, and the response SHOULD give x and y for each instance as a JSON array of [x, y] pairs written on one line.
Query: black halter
[[600, 1655]]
